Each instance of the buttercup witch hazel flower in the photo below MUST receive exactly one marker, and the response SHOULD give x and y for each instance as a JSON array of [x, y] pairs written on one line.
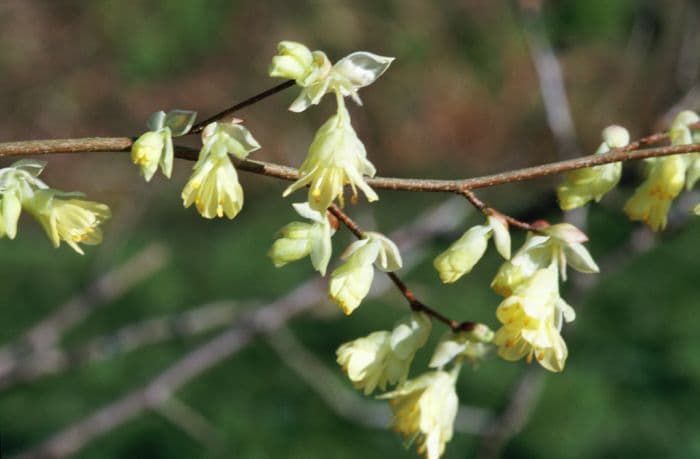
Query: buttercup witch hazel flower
[[561, 244], [214, 186], [299, 239], [472, 345], [666, 177], [465, 253], [155, 147], [66, 217], [532, 318], [384, 357], [351, 281], [314, 73], [424, 409], [583, 185], [336, 158], [17, 184]]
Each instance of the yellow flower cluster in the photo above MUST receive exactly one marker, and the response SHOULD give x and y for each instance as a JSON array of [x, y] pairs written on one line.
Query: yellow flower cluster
[[64, 216]]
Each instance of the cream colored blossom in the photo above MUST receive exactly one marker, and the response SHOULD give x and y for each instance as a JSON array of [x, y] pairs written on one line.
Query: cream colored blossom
[[299, 239], [155, 147], [583, 185], [214, 186], [336, 158], [561, 244], [461, 257], [18, 183], [473, 345], [384, 357], [314, 73], [351, 281], [425, 409], [532, 318], [66, 217]]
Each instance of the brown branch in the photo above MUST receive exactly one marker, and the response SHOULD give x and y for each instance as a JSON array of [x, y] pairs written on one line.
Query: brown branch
[[483, 207], [122, 144], [199, 127], [410, 297]]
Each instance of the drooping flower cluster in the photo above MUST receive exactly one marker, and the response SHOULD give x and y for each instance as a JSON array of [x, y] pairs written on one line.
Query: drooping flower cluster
[[666, 177], [214, 186], [533, 312], [337, 157], [64, 216]]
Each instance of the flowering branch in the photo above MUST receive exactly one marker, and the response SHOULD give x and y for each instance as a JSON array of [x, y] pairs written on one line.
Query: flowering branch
[[413, 301]]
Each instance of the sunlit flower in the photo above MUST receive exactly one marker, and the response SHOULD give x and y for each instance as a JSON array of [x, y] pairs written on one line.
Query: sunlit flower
[[384, 357], [18, 184], [336, 158], [314, 73], [155, 147], [561, 244], [425, 409], [214, 186], [461, 257], [532, 318], [299, 239], [66, 217], [583, 185], [351, 281]]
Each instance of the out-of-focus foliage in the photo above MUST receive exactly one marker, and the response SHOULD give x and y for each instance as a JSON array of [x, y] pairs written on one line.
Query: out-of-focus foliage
[[461, 99]]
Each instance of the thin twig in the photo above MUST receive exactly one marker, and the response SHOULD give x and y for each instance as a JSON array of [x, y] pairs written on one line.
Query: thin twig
[[410, 297], [483, 207], [199, 127]]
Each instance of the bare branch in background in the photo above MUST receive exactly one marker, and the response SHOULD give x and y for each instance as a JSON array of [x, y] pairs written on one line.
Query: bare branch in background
[[246, 326], [192, 423], [103, 290]]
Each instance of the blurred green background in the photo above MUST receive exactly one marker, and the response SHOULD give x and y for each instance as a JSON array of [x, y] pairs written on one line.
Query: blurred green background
[[462, 99]]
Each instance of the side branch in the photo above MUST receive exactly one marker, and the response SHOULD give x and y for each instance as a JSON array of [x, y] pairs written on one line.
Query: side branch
[[123, 144]]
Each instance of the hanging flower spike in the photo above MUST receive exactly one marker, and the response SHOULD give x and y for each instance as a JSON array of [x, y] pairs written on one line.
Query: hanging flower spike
[[214, 186], [313, 72], [66, 217], [300, 239], [17, 184], [384, 357], [351, 281], [532, 318], [583, 185], [336, 158], [424, 409], [155, 147], [461, 257], [665, 180]]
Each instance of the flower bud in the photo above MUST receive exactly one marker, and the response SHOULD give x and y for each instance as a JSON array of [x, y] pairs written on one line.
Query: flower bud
[[293, 61], [146, 152], [463, 255]]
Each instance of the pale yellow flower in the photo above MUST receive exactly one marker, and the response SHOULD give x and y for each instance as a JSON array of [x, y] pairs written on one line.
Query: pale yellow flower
[[214, 186], [299, 239], [532, 318], [67, 218], [314, 73], [18, 183], [155, 147], [583, 185], [351, 281], [473, 345], [336, 158], [425, 409], [652, 200]]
